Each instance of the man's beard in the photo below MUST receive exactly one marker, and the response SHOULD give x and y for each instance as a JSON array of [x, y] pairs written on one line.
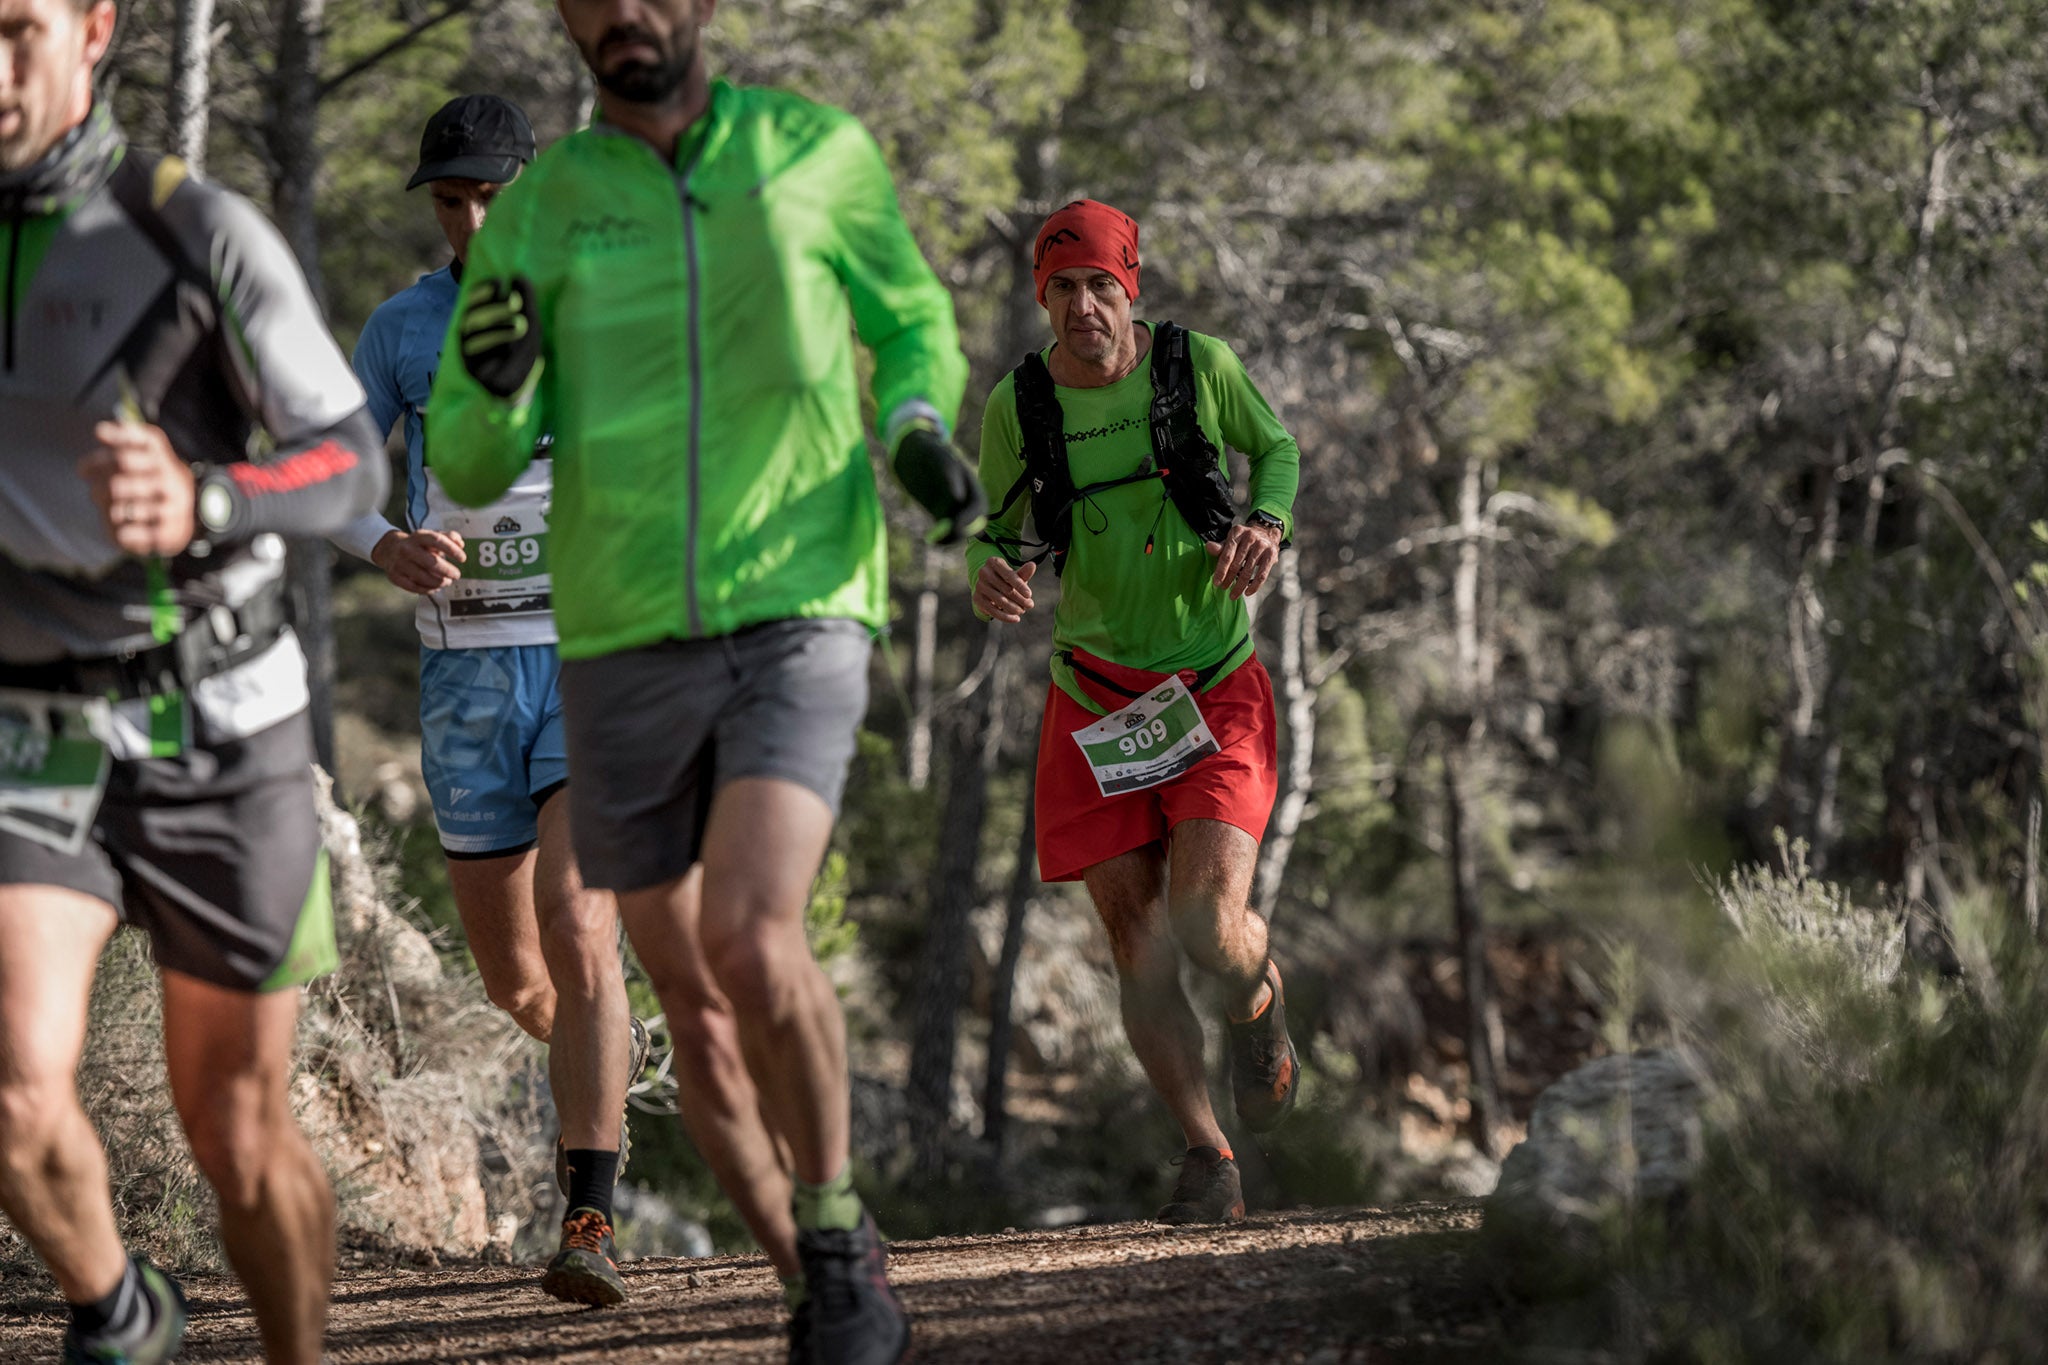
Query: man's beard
[[643, 82]]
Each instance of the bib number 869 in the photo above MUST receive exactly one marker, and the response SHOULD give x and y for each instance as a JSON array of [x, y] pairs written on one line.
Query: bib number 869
[[508, 553], [1138, 741]]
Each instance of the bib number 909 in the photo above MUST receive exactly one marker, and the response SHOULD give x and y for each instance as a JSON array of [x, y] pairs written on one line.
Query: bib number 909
[[1142, 740]]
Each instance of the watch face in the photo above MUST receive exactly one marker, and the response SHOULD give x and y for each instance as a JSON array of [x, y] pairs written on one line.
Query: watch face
[[216, 507]]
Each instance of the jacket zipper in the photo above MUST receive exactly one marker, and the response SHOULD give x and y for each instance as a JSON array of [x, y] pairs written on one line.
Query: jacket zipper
[[693, 517]]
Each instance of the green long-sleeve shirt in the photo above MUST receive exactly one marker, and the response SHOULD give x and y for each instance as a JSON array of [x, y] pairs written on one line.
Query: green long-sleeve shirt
[[698, 375], [1160, 611]]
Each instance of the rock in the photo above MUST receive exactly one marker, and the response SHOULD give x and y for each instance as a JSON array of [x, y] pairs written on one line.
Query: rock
[[1614, 1136]]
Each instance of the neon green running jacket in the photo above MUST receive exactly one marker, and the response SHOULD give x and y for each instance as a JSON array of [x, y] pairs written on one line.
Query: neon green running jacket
[[698, 370]]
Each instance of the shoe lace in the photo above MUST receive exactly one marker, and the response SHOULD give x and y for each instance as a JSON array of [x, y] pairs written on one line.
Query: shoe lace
[[586, 1231]]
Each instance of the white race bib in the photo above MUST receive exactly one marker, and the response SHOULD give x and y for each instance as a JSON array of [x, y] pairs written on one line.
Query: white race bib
[[506, 573], [54, 763], [1153, 740]]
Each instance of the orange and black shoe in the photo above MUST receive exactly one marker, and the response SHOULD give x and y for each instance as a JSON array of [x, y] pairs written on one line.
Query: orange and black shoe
[[1263, 1067], [1208, 1190], [586, 1269]]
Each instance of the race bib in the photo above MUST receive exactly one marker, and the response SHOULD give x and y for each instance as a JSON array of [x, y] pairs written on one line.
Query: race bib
[[506, 574], [1153, 740], [54, 763]]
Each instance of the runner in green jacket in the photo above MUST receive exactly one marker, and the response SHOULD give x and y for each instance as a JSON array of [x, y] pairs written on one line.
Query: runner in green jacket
[[697, 370], [1157, 766], [674, 294]]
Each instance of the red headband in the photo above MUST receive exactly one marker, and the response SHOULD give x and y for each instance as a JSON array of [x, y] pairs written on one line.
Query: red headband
[[1090, 234]]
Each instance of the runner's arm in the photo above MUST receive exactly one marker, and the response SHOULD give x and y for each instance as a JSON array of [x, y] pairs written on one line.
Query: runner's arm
[[480, 441], [1002, 463], [900, 310], [375, 364], [327, 466], [1248, 424]]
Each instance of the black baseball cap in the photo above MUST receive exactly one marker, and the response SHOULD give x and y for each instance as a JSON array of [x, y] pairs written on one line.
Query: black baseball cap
[[474, 137]]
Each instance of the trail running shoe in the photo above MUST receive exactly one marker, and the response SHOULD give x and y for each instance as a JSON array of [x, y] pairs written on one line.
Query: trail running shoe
[[640, 1046], [586, 1269], [1263, 1067], [854, 1318], [1208, 1190], [158, 1343]]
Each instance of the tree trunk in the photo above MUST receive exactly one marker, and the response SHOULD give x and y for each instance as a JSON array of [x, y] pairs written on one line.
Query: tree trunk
[[293, 133], [1297, 760], [995, 1116], [191, 80], [1483, 1032], [974, 739]]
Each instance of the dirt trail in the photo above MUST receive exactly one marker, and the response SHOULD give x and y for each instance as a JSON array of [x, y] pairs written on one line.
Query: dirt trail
[[1322, 1288]]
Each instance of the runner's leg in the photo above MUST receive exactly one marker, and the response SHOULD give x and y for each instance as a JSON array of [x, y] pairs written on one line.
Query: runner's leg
[[578, 935], [721, 1109], [1209, 905], [762, 848], [53, 1172], [1129, 891], [494, 898], [229, 1056]]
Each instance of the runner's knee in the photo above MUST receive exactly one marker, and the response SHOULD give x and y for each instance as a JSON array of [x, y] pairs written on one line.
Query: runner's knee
[[33, 1110], [580, 932], [235, 1134], [758, 970], [531, 1003]]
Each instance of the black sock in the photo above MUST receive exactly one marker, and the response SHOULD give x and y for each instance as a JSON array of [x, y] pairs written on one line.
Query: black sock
[[591, 1176], [115, 1314]]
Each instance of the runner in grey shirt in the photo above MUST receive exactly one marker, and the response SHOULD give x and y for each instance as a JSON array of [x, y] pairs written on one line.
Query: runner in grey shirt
[[170, 402]]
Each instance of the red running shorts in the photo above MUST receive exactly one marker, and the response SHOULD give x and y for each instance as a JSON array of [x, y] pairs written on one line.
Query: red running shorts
[[1079, 827]]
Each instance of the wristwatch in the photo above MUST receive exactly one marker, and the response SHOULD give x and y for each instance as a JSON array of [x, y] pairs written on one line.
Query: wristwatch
[[1264, 519]]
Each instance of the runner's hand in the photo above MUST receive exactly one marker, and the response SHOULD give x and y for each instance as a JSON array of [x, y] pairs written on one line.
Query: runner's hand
[[419, 561], [141, 487], [1001, 592], [1245, 558], [935, 475], [501, 335]]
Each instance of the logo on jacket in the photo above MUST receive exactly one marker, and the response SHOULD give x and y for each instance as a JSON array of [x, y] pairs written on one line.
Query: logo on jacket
[[607, 232]]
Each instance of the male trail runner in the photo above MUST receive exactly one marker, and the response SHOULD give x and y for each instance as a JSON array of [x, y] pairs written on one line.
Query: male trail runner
[[1156, 756], [673, 292], [154, 748], [490, 714]]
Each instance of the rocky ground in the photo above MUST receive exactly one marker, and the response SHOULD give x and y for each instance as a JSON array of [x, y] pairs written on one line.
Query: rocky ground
[[1321, 1288]]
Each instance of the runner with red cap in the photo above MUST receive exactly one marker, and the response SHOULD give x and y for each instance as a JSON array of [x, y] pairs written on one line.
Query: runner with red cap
[[1157, 759]]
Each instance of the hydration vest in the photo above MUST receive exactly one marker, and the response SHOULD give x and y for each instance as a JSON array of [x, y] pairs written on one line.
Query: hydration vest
[[1183, 458]]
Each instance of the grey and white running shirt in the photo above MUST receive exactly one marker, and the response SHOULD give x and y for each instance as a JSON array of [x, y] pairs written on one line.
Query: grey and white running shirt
[[125, 282]]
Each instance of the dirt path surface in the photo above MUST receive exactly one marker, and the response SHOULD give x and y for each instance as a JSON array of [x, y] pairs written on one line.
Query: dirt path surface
[[1321, 1288]]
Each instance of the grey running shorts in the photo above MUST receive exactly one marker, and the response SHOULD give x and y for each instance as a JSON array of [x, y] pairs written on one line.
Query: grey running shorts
[[654, 732], [215, 854]]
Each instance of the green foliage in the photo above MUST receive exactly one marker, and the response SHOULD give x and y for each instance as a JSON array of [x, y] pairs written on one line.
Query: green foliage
[[1875, 1185]]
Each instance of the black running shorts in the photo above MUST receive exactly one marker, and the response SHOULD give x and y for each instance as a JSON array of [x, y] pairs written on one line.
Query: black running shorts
[[215, 854], [654, 732]]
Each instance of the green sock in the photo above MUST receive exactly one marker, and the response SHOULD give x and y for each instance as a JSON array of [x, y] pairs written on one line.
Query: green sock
[[794, 1293], [831, 1205]]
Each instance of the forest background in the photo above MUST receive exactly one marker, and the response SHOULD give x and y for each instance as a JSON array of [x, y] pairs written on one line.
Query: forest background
[[1669, 384]]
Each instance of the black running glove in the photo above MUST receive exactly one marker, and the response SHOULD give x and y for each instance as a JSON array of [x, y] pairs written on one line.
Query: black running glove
[[936, 476], [501, 335]]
